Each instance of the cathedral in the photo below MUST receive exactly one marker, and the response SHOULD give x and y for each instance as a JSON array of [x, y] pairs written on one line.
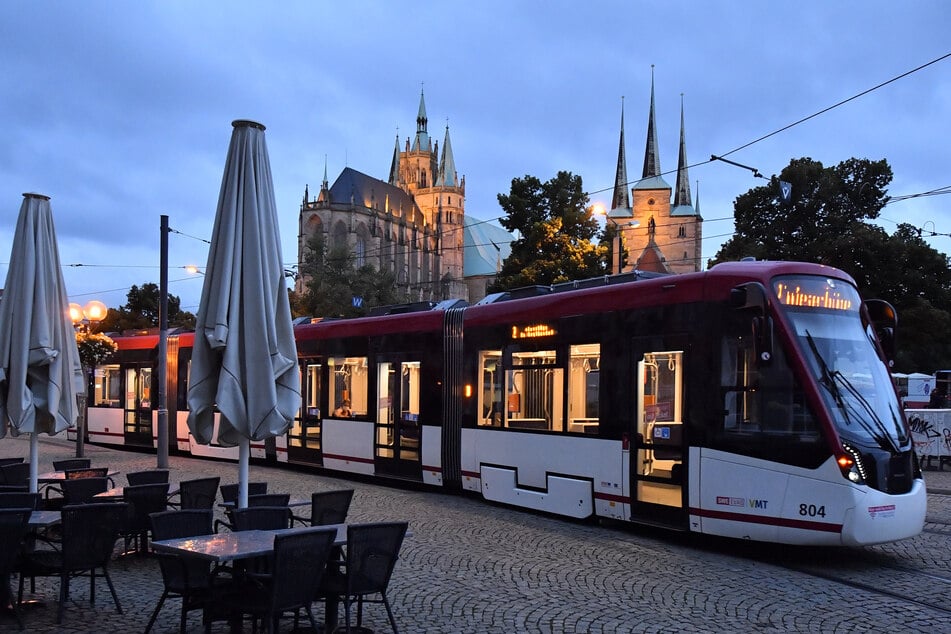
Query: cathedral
[[414, 223]]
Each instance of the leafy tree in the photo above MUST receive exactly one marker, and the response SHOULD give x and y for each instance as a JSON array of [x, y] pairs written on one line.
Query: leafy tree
[[141, 311], [555, 229], [826, 221], [333, 280]]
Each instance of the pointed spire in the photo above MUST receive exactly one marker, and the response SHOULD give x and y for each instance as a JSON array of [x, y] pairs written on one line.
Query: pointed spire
[[622, 196], [682, 191], [306, 193], [422, 141], [324, 195], [651, 157], [447, 164], [395, 163]]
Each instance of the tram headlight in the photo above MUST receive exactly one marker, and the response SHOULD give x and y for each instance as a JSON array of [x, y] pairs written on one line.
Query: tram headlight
[[852, 466]]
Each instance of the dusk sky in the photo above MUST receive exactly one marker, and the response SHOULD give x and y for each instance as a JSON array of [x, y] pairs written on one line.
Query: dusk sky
[[122, 111]]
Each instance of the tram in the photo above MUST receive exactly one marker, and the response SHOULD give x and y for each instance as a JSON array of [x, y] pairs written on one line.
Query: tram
[[752, 400]]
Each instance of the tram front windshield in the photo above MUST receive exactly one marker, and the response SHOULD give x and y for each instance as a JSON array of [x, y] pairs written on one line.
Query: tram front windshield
[[839, 351]]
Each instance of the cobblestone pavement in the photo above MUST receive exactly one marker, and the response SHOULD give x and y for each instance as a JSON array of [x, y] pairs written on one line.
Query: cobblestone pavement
[[477, 568]]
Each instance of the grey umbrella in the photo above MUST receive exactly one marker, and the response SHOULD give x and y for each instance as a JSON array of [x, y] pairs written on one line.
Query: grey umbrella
[[40, 371], [244, 360]]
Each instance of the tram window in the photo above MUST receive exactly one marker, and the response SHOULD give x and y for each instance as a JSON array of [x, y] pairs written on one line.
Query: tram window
[[108, 386], [762, 399], [584, 380], [490, 387], [534, 392], [312, 390], [348, 378]]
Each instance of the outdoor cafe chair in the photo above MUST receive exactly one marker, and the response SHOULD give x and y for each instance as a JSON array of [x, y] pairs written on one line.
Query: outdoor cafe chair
[[79, 473], [5, 461], [328, 507], [150, 476], [297, 567], [19, 500], [14, 526], [371, 554], [89, 535], [79, 491], [200, 493], [271, 500], [229, 492], [143, 500], [189, 579], [17, 473], [72, 463]]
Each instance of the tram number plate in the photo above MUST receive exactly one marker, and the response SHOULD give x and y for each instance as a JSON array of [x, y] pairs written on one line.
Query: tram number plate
[[811, 510]]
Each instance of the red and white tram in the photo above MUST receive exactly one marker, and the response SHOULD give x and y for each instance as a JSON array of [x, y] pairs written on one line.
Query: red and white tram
[[751, 401]]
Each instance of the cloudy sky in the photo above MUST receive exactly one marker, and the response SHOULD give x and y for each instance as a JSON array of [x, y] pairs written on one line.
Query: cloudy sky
[[121, 111]]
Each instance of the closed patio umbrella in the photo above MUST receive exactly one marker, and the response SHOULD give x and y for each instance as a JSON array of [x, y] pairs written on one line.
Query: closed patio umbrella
[[40, 372], [244, 359]]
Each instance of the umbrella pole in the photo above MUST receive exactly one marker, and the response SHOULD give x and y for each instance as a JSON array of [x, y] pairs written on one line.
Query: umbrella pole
[[244, 458], [34, 459]]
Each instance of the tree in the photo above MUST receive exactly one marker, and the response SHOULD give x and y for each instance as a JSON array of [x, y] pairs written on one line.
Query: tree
[[333, 281], [826, 221], [141, 311], [555, 229]]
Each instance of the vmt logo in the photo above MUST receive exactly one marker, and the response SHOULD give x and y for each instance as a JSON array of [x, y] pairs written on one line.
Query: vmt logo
[[758, 504]]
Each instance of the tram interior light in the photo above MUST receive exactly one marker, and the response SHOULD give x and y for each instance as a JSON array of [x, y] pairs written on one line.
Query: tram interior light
[[468, 390]]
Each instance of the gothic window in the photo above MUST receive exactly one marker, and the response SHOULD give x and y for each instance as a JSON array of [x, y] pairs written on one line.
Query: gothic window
[[340, 236], [361, 250], [682, 232]]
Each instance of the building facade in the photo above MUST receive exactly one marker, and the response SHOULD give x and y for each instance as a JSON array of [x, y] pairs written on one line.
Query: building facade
[[659, 235], [411, 224]]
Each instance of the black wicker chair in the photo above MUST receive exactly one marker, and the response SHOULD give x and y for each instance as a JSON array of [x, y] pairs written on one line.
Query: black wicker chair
[[189, 579], [19, 500], [14, 526], [72, 463], [89, 532], [143, 500], [297, 568], [197, 494], [328, 507], [229, 492], [151, 476], [372, 552], [16, 473], [271, 500]]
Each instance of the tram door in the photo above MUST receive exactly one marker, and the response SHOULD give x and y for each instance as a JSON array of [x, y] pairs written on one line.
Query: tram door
[[138, 406], [397, 432], [659, 450], [303, 438]]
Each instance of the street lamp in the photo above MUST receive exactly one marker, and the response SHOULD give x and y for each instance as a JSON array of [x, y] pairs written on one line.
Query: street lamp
[[82, 316], [619, 226]]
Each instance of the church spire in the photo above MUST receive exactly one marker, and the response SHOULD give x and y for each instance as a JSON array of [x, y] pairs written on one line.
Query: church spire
[[682, 191], [324, 195], [651, 156], [447, 165], [422, 141], [395, 163], [621, 198]]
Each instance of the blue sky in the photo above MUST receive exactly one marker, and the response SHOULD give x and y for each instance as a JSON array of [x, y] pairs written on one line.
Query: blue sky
[[121, 111]]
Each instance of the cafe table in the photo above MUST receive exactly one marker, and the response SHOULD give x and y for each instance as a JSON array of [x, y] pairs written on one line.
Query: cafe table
[[116, 494], [45, 519], [225, 547], [54, 477]]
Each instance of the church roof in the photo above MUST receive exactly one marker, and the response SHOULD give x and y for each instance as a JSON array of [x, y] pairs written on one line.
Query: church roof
[[652, 259], [652, 182], [683, 211], [485, 247], [370, 192], [447, 165]]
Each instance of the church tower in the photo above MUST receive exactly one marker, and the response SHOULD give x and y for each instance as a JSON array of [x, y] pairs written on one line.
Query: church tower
[[667, 237]]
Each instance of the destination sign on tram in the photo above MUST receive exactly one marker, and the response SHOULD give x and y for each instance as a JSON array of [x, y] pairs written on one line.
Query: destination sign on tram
[[533, 331], [816, 292]]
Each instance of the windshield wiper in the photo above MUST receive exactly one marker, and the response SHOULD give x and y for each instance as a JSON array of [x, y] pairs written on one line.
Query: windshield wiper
[[830, 380]]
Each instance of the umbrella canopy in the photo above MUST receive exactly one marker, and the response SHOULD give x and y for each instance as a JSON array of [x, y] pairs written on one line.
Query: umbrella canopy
[[40, 371], [244, 360]]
